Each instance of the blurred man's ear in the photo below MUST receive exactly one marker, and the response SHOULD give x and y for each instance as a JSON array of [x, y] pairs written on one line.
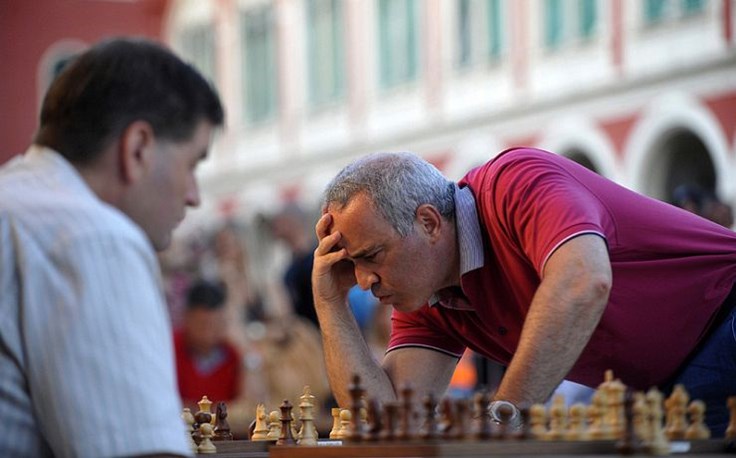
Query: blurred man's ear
[[429, 219], [136, 151]]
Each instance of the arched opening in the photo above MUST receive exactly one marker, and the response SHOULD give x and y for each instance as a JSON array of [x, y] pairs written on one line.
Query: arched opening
[[679, 158], [581, 158]]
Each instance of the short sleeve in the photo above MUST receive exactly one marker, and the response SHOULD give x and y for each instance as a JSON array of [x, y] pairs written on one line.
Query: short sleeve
[[537, 205], [422, 328], [101, 367]]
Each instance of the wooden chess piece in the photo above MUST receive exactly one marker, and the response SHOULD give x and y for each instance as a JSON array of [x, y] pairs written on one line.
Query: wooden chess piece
[[676, 409], [390, 421], [345, 424], [641, 423], [335, 431], [731, 429], [537, 421], [576, 430], [430, 418], [356, 397], [222, 427], [274, 426], [260, 432], [461, 419], [286, 437], [203, 415], [629, 443], [406, 424], [447, 420], [375, 421], [557, 419], [697, 429], [188, 418], [308, 433], [658, 445], [481, 401], [206, 446]]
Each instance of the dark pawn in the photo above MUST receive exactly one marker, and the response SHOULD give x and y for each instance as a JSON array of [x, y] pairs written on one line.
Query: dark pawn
[[222, 427], [374, 421], [406, 431], [391, 420], [482, 417], [447, 422], [629, 442], [286, 437], [461, 415], [430, 421]]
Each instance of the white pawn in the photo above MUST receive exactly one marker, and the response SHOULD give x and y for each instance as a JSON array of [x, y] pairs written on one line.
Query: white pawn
[[697, 428], [345, 429], [188, 418], [537, 421], [260, 432], [576, 426], [206, 445], [335, 431], [557, 419], [274, 426]]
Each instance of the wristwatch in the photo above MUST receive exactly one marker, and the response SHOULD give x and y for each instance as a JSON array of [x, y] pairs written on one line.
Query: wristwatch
[[505, 412]]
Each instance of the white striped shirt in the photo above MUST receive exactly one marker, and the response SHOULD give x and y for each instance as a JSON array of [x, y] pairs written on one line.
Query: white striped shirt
[[86, 357]]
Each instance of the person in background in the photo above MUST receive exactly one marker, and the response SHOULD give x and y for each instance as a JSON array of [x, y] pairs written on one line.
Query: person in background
[[703, 203], [85, 339], [206, 362]]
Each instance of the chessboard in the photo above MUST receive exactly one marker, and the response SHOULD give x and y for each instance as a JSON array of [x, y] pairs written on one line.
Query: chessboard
[[618, 421]]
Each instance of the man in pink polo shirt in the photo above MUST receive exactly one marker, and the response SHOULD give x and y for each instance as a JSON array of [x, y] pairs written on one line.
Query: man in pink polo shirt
[[530, 260]]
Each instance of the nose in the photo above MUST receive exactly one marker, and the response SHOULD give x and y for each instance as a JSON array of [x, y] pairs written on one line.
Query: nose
[[365, 278], [192, 197]]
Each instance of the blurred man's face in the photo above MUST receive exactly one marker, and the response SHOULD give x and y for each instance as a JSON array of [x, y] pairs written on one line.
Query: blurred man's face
[[205, 329], [171, 186]]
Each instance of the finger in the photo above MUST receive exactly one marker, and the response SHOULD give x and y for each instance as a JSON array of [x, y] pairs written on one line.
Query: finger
[[332, 258], [323, 226], [328, 243]]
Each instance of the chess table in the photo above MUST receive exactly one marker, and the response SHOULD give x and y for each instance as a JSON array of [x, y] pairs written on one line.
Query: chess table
[[467, 449]]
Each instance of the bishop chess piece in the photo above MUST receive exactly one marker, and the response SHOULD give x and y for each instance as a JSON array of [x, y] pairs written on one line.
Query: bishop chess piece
[[406, 418], [430, 418], [676, 410], [390, 421]]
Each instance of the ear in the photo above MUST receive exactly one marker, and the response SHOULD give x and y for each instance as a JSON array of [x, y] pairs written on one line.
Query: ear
[[429, 220], [137, 143]]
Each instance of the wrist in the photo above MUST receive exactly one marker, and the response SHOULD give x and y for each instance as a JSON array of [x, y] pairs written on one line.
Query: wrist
[[505, 412]]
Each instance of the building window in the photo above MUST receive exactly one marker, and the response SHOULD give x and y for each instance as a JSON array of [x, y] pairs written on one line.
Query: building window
[[654, 10], [261, 79], [569, 21], [480, 31], [659, 11], [692, 7], [325, 43], [198, 46], [398, 33]]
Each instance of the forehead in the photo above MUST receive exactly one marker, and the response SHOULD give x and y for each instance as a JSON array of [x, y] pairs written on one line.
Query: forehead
[[360, 224]]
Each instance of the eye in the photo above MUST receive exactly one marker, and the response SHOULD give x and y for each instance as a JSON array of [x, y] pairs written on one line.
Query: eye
[[371, 257]]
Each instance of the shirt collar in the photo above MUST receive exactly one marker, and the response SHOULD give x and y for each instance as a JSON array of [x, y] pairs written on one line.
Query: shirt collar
[[470, 241]]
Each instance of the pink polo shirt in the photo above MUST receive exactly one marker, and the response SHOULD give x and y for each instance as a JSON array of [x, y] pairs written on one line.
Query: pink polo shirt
[[671, 270]]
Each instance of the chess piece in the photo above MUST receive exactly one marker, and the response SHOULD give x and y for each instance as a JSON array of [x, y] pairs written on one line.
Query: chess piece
[[335, 431], [391, 419], [406, 425], [658, 445], [345, 424], [356, 396], [537, 421], [615, 395], [447, 420], [375, 422], [557, 419], [676, 409], [260, 432], [629, 443], [222, 427], [697, 429], [641, 423], [460, 424], [308, 432], [274, 426], [188, 418], [203, 415], [731, 429], [287, 436], [481, 401], [576, 425], [430, 421], [206, 446]]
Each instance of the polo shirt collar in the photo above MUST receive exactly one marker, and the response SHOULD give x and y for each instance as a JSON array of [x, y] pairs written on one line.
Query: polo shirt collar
[[470, 242]]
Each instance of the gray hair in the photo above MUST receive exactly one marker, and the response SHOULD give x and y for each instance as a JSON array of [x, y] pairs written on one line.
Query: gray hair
[[397, 184]]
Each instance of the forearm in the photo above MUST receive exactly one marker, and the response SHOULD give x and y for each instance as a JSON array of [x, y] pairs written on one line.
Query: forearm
[[564, 313], [347, 354]]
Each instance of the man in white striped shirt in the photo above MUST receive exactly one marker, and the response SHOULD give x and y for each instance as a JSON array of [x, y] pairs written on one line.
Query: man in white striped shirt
[[86, 359]]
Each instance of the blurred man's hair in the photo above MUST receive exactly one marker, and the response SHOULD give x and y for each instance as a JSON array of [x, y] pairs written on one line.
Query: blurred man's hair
[[115, 83], [207, 295]]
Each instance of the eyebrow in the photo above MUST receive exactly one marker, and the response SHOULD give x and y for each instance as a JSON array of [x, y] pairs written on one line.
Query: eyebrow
[[363, 253]]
